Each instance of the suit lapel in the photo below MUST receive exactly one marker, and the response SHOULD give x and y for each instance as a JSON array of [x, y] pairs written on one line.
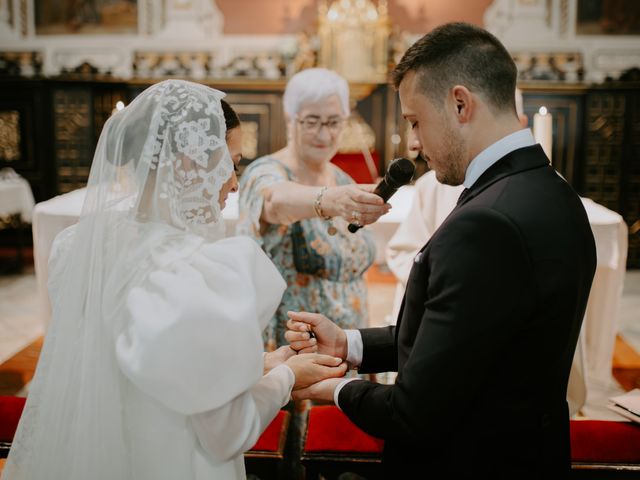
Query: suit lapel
[[520, 160], [416, 259]]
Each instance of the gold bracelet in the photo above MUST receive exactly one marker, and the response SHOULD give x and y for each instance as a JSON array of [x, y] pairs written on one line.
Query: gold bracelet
[[317, 207]]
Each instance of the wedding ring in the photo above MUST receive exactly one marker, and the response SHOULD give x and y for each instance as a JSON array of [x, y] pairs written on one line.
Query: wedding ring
[[356, 217]]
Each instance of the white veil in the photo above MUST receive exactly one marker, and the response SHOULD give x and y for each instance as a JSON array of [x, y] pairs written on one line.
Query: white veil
[[154, 185]]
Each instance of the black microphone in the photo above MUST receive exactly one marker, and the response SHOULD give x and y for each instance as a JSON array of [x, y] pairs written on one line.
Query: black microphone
[[400, 173]]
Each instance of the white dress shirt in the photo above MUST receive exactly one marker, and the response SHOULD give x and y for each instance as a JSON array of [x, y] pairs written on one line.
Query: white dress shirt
[[494, 152]]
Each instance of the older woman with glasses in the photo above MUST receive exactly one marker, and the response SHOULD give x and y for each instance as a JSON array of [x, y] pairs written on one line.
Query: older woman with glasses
[[297, 205]]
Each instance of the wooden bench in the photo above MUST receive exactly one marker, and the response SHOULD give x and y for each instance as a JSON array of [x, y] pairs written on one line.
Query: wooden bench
[[10, 411]]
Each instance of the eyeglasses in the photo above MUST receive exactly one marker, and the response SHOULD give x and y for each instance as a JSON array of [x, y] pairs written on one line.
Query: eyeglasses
[[313, 125]]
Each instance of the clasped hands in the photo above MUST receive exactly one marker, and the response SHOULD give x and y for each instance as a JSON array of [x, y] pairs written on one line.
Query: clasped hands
[[317, 363]]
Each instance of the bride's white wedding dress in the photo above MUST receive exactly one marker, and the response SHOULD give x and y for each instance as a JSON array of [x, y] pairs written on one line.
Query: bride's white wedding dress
[[152, 367]]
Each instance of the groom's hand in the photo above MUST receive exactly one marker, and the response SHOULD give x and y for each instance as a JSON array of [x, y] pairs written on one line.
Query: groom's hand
[[323, 390], [309, 368], [329, 338]]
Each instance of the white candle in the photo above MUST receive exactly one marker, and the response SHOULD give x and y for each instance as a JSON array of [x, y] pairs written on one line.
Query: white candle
[[543, 130]]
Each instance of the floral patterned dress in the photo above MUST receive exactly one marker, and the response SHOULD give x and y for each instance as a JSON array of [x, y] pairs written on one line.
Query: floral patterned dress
[[324, 273]]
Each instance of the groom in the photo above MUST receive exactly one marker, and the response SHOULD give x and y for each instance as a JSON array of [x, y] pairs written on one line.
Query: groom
[[489, 322]]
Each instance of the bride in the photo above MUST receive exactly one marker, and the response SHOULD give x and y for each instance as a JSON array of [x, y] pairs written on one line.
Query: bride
[[152, 367]]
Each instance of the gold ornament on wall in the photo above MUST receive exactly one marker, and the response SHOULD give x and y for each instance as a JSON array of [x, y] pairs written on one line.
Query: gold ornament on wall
[[9, 136], [354, 38], [357, 135], [249, 139]]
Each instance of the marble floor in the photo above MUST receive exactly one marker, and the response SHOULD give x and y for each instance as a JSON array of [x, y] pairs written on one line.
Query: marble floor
[[20, 319]]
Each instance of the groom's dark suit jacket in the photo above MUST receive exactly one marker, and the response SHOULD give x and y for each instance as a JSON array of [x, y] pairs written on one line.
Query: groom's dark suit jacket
[[486, 334]]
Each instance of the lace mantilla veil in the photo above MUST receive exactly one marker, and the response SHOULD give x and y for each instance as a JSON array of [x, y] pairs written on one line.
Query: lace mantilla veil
[[153, 190]]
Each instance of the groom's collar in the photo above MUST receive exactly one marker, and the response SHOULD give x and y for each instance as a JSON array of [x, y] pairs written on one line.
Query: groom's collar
[[494, 152]]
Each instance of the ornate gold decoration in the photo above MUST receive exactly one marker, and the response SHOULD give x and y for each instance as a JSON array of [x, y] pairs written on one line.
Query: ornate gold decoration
[[10, 136], [305, 56], [73, 139], [552, 66], [564, 17], [354, 38], [24, 18], [357, 135], [605, 130], [249, 139]]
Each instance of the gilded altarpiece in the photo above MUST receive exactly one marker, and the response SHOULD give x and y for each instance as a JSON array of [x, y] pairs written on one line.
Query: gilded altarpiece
[[9, 136], [603, 171], [73, 137]]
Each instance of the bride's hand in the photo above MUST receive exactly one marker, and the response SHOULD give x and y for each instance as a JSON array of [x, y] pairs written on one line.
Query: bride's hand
[[278, 356], [310, 368]]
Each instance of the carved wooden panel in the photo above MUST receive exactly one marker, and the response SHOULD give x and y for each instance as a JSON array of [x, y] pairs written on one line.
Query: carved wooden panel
[[10, 136], [603, 156], [631, 176], [23, 133], [104, 101], [73, 137]]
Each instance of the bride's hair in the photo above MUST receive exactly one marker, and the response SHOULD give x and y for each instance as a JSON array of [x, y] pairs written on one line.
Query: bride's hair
[[231, 118]]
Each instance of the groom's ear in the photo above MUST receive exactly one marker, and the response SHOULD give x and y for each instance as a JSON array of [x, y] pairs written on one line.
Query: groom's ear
[[464, 103]]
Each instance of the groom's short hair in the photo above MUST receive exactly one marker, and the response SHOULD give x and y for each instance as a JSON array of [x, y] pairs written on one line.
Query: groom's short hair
[[461, 54]]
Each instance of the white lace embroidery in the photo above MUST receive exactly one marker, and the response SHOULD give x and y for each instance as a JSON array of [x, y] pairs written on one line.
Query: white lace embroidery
[[183, 161]]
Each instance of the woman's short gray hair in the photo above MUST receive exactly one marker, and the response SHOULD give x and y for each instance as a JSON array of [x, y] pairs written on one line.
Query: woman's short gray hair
[[313, 85]]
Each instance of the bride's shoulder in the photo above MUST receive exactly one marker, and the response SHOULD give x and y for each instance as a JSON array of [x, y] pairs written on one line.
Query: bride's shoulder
[[241, 253], [235, 242], [237, 246]]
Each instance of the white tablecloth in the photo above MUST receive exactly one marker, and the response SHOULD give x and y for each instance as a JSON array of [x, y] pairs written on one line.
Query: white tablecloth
[[56, 214], [591, 369], [16, 197], [601, 319]]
